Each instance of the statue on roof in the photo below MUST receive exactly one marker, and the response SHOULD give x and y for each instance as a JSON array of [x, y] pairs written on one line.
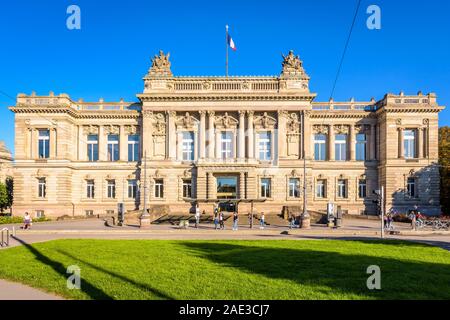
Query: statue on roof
[[292, 64], [160, 65]]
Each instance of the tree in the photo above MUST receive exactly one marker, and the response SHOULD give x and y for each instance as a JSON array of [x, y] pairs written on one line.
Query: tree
[[444, 162], [10, 188], [3, 197]]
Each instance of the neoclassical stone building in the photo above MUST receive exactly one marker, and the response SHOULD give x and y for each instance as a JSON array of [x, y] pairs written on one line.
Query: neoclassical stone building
[[6, 168], [213, 138]]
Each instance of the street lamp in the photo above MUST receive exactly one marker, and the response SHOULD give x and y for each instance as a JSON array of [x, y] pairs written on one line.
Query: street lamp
[[305, 219], [144, 219]]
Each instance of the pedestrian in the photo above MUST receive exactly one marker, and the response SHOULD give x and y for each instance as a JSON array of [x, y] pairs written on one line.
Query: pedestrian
[[216, 218], [292, 221], [197, 215], [412, 216], [221, 221], [235, 221], [385, 221], [27, 221], [262, 221], [250, 220]]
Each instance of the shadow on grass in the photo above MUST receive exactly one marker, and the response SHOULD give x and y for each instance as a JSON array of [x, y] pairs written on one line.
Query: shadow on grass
[[342, 273], [156, 292], [92, 291]]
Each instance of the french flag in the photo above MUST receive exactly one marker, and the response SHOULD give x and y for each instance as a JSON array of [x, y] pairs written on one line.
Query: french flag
[[231, 42]]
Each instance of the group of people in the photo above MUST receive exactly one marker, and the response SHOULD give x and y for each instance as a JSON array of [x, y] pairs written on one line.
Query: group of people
[[388, 221], [219, 219]]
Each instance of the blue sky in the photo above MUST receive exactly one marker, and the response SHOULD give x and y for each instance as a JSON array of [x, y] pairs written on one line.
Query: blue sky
[[110, 54]]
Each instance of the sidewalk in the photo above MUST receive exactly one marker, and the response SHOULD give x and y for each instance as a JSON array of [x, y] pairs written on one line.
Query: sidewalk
[[16, 291]]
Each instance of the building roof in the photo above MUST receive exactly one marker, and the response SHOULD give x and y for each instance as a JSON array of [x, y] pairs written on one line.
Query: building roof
[[5, 154]]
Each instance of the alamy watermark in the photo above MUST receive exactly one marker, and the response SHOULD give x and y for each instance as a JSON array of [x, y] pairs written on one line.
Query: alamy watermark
[[374, 280], [74, 280], [73, 21], [374, 20]]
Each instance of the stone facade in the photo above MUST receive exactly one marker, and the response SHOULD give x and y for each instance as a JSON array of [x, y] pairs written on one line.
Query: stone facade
[[6, 167], [204, 138]]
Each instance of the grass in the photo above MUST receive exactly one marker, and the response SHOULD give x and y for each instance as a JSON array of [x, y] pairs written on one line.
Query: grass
[[158, 269]]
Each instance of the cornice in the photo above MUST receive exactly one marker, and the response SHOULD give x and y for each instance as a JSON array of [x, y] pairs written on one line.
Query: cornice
[[63, 109], [224, 97], [341, 114]]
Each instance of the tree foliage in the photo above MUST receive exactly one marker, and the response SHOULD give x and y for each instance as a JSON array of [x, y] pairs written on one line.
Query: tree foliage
[[444, 161], [4, 200], [10, 189]]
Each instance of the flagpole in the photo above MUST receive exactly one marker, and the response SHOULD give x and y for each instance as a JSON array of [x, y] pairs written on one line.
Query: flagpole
[[226, 45]]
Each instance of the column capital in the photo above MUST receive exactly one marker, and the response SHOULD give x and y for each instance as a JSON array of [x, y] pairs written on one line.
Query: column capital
[[202, 113], [171, 113], [250, 113], [211, 113], [242, 113]]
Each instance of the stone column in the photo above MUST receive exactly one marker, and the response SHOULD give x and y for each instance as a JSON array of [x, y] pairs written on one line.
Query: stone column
[[307, 136], [52, 143], [211, 185], [352, 146], [34, 143], [218, 147], [241, 143], [420, 139], [172, 135], [81, 138], [211, 134], [282, 152], [425, 142], [250, 134], [146, 137], [331, 155], [372, 144], [179, 146], [201, 135], [242, 185], [102, 145], [401, 151], [123, 144]]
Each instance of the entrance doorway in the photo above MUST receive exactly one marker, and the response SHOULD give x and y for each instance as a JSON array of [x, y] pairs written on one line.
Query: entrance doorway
[[226, 189]]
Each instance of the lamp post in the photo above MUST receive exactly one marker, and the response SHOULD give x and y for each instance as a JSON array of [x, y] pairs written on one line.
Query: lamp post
[[145, 216], [305, 219]]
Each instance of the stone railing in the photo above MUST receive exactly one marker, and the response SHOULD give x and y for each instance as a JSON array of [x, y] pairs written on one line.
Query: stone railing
[[342, 106], [225, 85]]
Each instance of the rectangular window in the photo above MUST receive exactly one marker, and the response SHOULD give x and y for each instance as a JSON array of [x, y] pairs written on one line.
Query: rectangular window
[[361, 142], [362, 188], [411, 187], [265, 188], [340, 147], [409, 143], [265, 145], [89, 213], [44, 144], [188, 146], [342, 188], [187, 188], [113, 147], [42, 188], [321, 188], [132, 189], [294, 187], [40, 214], [133, 148], [227, 144], [320, 147], [111, 189], [92, 147], [90, 188], [159, 188]]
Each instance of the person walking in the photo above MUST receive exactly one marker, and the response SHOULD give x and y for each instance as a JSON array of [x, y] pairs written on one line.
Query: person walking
[[197, 215], [221, 221], [216, 218], [292, 221], [235, 221], [262, 221], [27, 221]]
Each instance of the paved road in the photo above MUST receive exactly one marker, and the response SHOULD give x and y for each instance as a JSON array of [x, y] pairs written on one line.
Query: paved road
[[16, 291]]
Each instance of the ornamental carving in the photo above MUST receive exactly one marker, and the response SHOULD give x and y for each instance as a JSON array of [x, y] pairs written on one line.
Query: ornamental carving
[[341, 129], [206, 85], [131, 130], [226, 121], [362, 128], [110, 129], [265, 121], [320, 129], [426, 121], [398, 122], [90, 129], [159, 124], [186, 121], [246, 85], [293, 123], [291, 62], [160, 65]]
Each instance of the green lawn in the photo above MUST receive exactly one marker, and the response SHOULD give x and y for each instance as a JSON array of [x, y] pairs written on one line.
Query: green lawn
[[150, 269]]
